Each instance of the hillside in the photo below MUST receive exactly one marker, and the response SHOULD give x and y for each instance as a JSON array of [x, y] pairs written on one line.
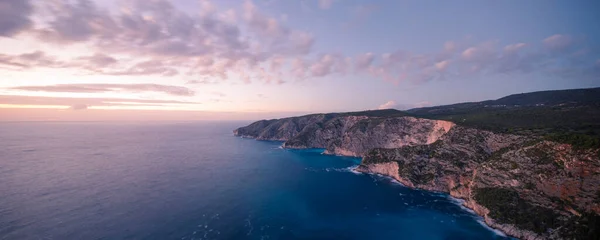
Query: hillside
[[528, 163], [571, 116], [351, 134]]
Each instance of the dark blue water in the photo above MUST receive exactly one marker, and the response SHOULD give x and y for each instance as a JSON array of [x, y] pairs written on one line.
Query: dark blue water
[[197, 181]]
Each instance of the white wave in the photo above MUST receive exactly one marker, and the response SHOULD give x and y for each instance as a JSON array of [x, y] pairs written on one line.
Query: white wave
[[479, 219], [380, 177], [461, 204], [352, 169], [496, 231]]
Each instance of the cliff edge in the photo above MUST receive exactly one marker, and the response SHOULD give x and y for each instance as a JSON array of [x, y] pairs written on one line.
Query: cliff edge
[[526, 186], [348, 134]]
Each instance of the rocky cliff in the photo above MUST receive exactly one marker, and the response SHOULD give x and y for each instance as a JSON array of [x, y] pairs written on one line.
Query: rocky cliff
[[523, 185], [527, 187], [349, 134]]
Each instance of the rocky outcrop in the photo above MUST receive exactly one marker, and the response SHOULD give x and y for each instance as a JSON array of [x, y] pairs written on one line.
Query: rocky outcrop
[[523, 185], [347, 134], [529, 188]]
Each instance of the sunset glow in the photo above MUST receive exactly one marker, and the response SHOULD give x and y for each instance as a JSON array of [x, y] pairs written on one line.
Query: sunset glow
[[287, 56]]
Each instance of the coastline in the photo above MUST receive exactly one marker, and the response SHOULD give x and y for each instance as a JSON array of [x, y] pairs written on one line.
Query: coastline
[[505, 230], [459, 201], [487, 222], [484, 220], [390, 170]]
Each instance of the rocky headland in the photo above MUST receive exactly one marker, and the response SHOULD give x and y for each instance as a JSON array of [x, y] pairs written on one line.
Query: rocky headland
[[526, 186]]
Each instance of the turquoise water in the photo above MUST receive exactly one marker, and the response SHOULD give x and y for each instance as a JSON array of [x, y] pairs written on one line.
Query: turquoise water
[[198, 181]]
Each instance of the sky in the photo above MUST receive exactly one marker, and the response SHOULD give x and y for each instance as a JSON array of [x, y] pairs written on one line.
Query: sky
[[231, 60]]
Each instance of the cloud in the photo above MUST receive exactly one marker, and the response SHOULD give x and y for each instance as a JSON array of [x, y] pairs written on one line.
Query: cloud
[[102, 87], [450, 46], [442, 65], [78, 103], [101, 60], [557, 56], [478, 54], [325, 4], [262, 24], [14, 16], [558, 42], [98, 63], [79, 107], [148, 67], [220, 94], [327, 64], [512, 48], [30, 60], [364, 61], [221, 42], [244, 44], [359, 14], [323, 66], [422, 104], [299, 68], [387, 105]]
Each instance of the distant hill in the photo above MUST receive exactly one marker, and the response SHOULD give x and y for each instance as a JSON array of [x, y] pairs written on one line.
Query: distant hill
[[383, 113], [574, 96], [589, 96], [564, 114]]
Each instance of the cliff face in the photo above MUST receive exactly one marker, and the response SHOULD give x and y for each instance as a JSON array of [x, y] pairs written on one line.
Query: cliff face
[[529, 188], [523, 185], [349, 135]]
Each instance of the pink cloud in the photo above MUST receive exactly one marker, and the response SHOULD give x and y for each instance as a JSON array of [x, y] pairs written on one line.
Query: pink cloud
[[387, 105], [512, 48], [325, 4], [323, 66], [442, 65], [558, 42], [83, 103], [102, 87], [14, 17], [363, 61]]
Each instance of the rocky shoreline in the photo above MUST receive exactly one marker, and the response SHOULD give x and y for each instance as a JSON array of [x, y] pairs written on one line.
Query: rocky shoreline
[[507, 230], [522, 185]]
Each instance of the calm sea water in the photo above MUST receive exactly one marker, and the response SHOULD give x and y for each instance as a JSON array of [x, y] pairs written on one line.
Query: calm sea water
[[198, 181]]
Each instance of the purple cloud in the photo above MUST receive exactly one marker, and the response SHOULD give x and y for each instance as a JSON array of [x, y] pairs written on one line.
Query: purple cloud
[[363, 61], [79, 107], [153, 37], [99, 60], [325, 4], [558, 42], [387, 105], [30, 60], [78, 103], [14, 16], [102, 87]]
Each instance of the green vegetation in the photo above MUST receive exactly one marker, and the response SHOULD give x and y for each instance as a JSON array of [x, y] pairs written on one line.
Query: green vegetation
[[386, 113], [539, 156], [587, 226], [530, 185], [579, 141], [526, 120], [540, 113], [568, 116], [376, 155], [507, 207]]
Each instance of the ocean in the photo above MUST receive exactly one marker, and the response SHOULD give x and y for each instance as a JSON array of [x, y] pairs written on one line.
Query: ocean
[[195, 180]]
